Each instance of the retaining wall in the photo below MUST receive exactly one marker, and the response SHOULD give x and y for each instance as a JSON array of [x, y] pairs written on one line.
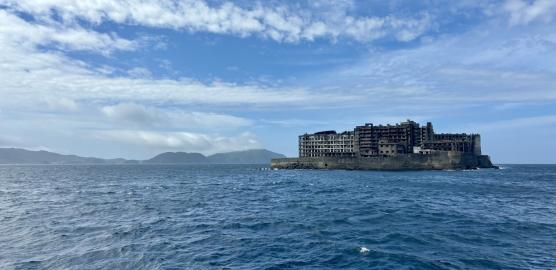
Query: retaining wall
[[436, 161]]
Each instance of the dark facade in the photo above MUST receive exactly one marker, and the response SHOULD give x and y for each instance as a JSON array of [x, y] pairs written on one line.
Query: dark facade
[[386, 140]]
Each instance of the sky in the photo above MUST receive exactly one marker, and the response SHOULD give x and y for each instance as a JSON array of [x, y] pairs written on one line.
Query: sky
[[136, 78]]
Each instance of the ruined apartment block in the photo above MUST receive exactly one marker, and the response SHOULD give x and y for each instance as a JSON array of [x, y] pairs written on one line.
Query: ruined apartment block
[[386, 140]]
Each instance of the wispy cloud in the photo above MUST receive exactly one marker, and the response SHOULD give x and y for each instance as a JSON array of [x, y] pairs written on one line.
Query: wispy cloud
[[18, 32], [517, 123], [29, 74], [279, 23], [48, 75], [524, 12], [489, 64]]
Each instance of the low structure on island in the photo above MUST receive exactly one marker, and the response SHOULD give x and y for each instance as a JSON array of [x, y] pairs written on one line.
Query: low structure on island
[[404, 146]]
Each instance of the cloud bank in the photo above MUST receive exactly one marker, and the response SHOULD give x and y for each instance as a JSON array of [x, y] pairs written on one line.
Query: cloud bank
[[180, 141], [142, 116]]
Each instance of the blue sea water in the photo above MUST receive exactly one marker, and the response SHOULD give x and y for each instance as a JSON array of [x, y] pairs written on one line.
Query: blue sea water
[[249, 217]]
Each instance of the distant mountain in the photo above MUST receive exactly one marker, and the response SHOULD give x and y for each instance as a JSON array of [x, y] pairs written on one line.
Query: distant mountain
[[22, 156], [255, 156], [177, 157]]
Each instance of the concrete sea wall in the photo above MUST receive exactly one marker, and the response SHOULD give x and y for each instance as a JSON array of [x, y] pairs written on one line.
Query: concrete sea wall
[[435, 161]]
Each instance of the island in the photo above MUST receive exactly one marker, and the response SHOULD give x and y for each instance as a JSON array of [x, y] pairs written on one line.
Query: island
[[403, 146]]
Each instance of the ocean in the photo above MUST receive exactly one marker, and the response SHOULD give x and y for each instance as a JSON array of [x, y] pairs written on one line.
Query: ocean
[[250, 217]]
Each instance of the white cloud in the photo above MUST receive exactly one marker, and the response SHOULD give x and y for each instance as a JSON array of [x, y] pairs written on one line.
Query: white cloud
[[524, 12], [30, 75], [140, 115], [122, 134], [39, 83], [139, 72], [182, 141], [485, 65], [20, 33], [62, 104], [57, 77], [281, 23]]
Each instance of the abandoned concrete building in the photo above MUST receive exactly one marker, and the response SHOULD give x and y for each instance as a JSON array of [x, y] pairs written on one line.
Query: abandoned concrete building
[[386, 140], [327, 144]]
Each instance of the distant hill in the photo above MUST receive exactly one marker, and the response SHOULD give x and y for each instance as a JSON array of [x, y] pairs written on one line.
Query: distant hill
[[22, 156], [255, 156], [177, 157]]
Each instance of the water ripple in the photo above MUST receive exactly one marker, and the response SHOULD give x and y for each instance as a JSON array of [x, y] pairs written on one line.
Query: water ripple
[[247, 217]]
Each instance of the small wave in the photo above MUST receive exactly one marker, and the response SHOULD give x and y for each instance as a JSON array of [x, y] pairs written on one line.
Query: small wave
[[364, 250]]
